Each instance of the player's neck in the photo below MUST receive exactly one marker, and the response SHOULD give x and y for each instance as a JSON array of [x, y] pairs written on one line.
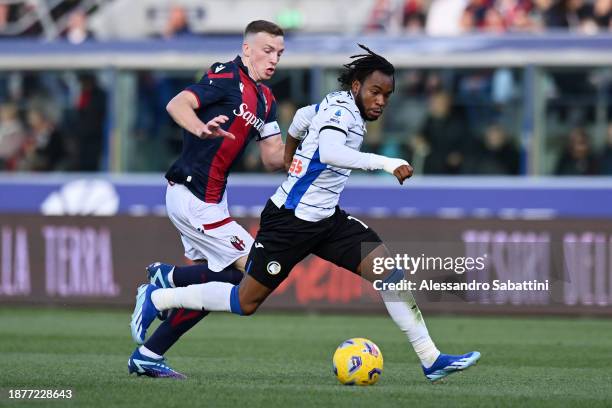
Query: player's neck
[[359, 106], [250, 69]]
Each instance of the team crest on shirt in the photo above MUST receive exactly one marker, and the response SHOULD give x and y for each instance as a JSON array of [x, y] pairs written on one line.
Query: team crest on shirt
[[336, 117], [237, 243]]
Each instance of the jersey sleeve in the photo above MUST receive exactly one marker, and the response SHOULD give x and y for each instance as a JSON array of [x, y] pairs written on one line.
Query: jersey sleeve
[[270, 127], [336, 117], [213, 85], [334, 151], [302, 120]]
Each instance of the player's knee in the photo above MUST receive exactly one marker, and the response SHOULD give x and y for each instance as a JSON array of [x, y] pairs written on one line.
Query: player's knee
[[248, 308], [368, 264]]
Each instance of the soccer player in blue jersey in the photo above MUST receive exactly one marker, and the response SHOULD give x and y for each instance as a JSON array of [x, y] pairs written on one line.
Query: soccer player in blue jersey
[[303, 217], [220, 115]]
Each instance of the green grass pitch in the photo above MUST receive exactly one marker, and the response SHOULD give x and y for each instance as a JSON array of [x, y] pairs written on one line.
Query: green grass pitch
[[271, 360]]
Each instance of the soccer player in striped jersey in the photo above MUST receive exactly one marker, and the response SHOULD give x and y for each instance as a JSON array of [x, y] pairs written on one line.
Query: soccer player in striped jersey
[[220, 115], [303, 217]]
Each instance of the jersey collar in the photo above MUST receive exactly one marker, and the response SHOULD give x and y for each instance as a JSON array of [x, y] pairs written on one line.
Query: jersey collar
[[238, 62]]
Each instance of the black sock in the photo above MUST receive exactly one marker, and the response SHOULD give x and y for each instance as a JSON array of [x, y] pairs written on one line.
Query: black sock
[[200, 273], [179, 321]]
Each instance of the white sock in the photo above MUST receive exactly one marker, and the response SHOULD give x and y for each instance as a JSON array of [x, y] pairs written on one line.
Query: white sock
[[146, 352], [211, 296], [405, 313]]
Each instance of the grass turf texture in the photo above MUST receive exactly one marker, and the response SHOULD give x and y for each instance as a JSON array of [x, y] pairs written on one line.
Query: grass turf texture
[[271, 360]]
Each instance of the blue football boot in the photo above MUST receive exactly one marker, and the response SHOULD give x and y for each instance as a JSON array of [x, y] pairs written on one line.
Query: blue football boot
[[144, 313], [157, 273], [447, 364], [151, 367]]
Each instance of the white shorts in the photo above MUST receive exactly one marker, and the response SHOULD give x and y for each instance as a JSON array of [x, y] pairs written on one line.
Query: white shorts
[[207, 230]]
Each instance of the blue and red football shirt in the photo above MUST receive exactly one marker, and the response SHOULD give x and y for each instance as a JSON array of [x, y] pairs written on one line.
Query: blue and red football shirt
[[226, 89]]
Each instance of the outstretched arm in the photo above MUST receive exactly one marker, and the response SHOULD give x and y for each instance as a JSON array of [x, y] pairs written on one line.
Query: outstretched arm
[[334, 151], [182, 109]]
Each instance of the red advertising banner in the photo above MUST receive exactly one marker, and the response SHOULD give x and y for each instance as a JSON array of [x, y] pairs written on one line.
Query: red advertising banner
[[472, 266]]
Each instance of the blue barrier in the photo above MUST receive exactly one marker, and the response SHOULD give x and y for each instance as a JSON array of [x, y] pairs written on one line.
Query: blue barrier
[[374, 196]]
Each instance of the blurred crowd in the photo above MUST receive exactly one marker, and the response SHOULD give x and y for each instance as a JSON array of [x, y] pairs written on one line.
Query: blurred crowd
[[69, 18], [453, 122], [445, 143], [65, 19], [455, 17], [463, 125], [51, 123]]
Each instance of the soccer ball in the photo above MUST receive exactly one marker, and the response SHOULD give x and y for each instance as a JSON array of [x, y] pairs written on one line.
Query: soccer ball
[[358, 361]]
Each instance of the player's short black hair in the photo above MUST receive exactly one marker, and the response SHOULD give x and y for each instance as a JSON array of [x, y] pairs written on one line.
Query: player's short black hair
[[363, 65], [263, 26]]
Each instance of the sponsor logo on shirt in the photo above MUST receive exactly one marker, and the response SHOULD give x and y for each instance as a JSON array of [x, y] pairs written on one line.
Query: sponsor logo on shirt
[[249, 117]]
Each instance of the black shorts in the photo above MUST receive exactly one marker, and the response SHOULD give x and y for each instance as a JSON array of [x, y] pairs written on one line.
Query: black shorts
[[284, 240]]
